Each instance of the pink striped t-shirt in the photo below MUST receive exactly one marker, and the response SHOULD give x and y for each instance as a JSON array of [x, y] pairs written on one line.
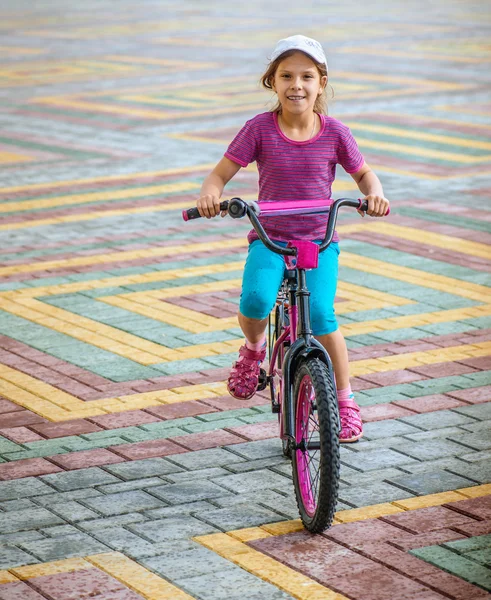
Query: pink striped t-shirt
[[291, 170]]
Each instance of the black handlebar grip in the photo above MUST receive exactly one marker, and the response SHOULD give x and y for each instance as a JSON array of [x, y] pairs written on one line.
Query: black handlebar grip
[[193, 213], [364, 206]]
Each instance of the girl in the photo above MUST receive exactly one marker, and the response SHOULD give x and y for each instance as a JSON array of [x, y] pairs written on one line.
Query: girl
[[296, 148]]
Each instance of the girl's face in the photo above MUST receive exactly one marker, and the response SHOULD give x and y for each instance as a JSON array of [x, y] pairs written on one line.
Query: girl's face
[[297, 83]]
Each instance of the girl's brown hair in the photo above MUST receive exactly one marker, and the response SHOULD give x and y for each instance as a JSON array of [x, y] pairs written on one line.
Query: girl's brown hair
[[266, 81]]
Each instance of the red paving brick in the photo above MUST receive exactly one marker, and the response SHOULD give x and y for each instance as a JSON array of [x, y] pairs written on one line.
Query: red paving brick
[[21, 417], [19, 591], [446, 369], [56, 430], [427, 519], [478, 508], [210, 439], [7, 407], [474, 528], [29, 467], [20, 435], [86, 458], [477, 395], [229, 403], [78, 585], [124, 419], [393, 377], [361, 532], [150, 449], [257, 431], [379, 412], [430, 538], [181, 409]]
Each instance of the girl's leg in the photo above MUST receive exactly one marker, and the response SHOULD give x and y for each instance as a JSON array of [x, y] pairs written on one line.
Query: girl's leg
[[336, 348], [262, 278]]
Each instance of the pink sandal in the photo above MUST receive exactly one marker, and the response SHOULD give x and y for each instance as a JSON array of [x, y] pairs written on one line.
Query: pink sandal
[[351, 423], [244, 376]]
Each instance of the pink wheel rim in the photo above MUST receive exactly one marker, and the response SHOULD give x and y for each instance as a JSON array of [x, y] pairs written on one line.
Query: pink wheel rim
[[307, 461]]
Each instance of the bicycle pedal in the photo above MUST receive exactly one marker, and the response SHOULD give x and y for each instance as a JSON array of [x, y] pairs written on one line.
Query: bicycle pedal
[[262, 381]]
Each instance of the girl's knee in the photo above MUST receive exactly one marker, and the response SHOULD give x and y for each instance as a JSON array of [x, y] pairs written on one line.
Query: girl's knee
[[323, 322], [254, 305]]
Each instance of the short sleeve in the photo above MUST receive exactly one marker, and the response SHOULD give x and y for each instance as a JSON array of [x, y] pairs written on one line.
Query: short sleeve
[[349, 156], [243, 148]]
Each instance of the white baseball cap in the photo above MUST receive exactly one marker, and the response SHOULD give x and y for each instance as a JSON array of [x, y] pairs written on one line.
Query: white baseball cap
[[303, 44]]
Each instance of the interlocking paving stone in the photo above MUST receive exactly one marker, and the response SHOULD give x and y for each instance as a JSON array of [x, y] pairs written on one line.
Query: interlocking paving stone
[[64, 547], [75, 480], [123, 502], [181, 493], [172, 528]]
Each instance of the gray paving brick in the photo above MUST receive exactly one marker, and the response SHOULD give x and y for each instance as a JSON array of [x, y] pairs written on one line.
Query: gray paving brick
[[210, 473], [23, 488], [179, 510], [446, 463], [231, 584], [10, 556], [374, 493], [433, 449], [21, 536], [189, 563], [240, 516], [261, 463], [430, 482], [58, 497], [172, 528], [23, 520], [444, 432], [259, 449], [21, 504], [192, 491], [59, 530], [477, 411], [82, 478], [138, 469], [352, 477], [124, 519], [213, 457], [477, 441], [255, 480], [437, 419], [64, 547], [134, 484], [376, 459], [73, 511], [123, 502], [388, 428], [479, 472]]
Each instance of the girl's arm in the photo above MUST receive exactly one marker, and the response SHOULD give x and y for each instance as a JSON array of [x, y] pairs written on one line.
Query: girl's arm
[[209, 201], [369, 184]]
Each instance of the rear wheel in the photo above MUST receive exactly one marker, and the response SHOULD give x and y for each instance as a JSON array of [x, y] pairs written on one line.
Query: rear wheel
[[315, 457]]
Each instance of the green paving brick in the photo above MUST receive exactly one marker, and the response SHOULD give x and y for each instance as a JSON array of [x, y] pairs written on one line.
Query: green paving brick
[[9, 446], [456, 564], [480, 542], [210, 426], [180, 366]]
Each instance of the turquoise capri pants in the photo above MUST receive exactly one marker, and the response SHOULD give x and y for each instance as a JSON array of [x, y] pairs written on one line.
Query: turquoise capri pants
[[263, 273]]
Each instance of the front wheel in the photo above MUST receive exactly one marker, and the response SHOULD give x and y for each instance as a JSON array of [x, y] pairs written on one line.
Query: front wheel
[[315, 456]]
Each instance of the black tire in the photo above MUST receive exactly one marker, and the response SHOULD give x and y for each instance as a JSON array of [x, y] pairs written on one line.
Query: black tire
[[319, 515]]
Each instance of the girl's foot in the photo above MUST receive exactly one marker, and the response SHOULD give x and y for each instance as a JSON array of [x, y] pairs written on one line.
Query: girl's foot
[[244, 376], [351, 424]]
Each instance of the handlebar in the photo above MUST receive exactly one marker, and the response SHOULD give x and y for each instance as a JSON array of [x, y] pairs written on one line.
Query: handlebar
[[238, 208]]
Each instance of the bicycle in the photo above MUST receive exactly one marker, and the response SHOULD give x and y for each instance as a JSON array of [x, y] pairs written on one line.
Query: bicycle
[[300, 374]]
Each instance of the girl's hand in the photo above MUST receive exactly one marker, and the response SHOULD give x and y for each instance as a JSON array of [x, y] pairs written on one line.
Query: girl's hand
[[209, 206], [377, 206]]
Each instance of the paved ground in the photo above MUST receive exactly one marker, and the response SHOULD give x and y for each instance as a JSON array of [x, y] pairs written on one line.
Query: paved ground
[[126, 471]]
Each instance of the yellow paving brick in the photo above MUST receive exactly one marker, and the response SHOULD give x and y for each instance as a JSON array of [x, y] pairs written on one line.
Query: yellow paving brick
[[222, 544], [137, 578], [283, 527], [88, 197], [249, 534], [6, 577], [477, 491], [430, 500], [51, 568], [435, 239], [367, 512], [465, 289]]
